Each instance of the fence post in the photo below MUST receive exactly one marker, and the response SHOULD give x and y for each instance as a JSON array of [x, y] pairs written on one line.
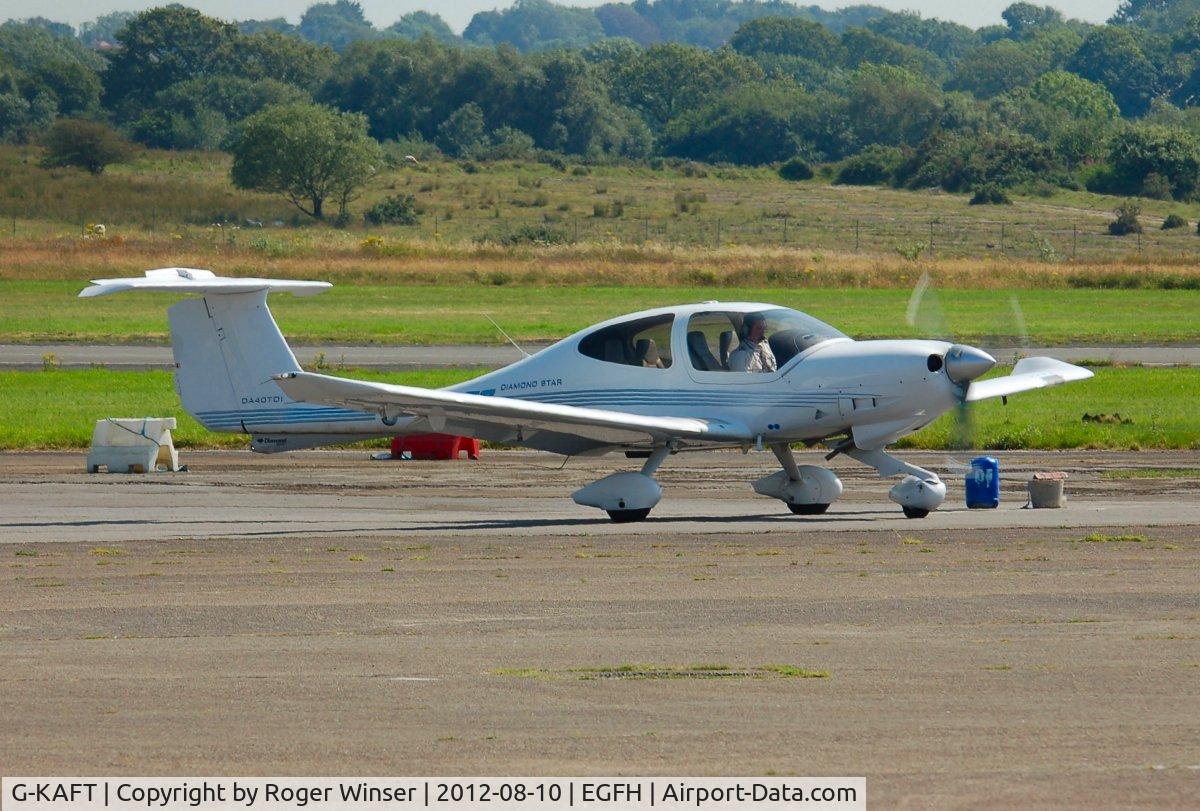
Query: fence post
[[576, 230], [857, 229], [1074, 239], [435, 227], [931, 236], [645, 230], [1139, 233], [718, 242], [1001, 237], [785, 219]]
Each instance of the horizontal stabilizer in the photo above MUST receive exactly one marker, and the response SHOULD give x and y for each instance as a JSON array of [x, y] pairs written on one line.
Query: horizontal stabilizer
[[438, 405], [204, 282], [1028, 374]]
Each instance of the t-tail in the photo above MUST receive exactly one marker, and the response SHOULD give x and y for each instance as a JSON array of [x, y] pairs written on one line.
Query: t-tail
[[227, 347]]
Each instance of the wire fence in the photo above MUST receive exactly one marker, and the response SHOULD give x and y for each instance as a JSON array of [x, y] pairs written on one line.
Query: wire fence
[[955, 236]]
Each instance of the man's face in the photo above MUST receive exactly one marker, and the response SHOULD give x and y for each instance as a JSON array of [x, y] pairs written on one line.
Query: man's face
[[758, 328]]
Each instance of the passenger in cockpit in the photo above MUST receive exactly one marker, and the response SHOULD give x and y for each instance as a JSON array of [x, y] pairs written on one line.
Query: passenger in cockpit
[[753, 353]]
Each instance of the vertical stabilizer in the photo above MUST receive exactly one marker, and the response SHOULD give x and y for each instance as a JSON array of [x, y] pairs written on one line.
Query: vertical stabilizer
[[227, 346]]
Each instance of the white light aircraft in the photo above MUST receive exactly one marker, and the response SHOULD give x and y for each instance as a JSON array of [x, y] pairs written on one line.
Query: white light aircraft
[[650, 384]]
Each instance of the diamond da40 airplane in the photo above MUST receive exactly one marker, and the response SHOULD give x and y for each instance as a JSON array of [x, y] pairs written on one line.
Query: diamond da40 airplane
[[650, 384]]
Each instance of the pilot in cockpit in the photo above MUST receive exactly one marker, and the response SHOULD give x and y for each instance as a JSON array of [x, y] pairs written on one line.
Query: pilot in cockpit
[[754, 353]]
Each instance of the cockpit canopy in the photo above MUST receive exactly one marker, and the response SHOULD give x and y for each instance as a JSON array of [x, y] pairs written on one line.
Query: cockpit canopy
[[711, 336], [787, 332]]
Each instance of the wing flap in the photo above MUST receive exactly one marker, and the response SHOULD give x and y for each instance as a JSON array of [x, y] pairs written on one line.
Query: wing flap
[[438, 405], [1028, 374]]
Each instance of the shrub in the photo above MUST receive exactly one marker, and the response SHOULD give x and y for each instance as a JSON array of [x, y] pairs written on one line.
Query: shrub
[[527, 235], [795, 169], [1156, 186], [1127, 220], [989, 194], [874, 166], [398, 209], [90, 145], [1174, 221]]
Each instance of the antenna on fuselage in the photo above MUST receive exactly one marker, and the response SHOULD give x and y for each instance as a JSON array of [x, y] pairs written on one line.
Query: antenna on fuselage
[[506, 335]]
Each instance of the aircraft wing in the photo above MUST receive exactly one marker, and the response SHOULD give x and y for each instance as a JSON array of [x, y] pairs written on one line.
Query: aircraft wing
[[523, 417], [1029, 373]]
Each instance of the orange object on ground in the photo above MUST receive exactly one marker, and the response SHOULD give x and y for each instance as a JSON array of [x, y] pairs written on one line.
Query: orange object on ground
[[434, 446]]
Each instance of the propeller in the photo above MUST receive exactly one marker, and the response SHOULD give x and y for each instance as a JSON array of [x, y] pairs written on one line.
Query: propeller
[[962, 363]]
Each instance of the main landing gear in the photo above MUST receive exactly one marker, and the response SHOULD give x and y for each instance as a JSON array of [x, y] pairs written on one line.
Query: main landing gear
[[805, 489], [626, 497]]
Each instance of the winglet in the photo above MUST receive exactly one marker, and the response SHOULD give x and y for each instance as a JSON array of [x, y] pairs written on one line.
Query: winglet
[[204, 282]]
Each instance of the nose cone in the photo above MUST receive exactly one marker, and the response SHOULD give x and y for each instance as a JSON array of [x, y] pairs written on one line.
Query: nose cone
[[965, 363]]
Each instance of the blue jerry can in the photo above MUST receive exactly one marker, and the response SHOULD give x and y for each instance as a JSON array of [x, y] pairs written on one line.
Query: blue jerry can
[[983, 483]]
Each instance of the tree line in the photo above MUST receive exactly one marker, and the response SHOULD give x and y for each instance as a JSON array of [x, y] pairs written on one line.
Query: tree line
[[1037, 102]]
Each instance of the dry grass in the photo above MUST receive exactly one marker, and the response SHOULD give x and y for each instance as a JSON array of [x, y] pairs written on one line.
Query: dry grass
[[339, 257]]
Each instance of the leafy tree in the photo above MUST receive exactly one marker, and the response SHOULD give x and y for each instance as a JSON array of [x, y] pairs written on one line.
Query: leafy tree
[[621, 20], [21, 117], [307, 153], [24, 46], [201, 113], [946, 39], [1163, 16], [160, 47], [279, 25], [534, 25], [862, 46], [997, 68], [417, 24], [90, 145], [892, 106], [1075, 96], [777, 35], [271, 55], [1112, 57], [754, 124], [74, 87], [1141, 151], [336, 24], [1026, 18], [102, 31], [664, 80], [61, 30], [463, 134]]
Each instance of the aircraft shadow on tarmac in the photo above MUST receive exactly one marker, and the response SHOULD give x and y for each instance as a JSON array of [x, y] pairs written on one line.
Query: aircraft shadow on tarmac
[[527, 523]]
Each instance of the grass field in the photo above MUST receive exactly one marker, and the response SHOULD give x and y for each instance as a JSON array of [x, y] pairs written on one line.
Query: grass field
[[443, 313], [172, 193], [56, 409]]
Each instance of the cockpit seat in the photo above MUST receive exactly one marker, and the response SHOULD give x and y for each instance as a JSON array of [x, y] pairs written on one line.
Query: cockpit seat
[[702, 357], [787, 344], [645, 353], [614, 351], [726, 346]]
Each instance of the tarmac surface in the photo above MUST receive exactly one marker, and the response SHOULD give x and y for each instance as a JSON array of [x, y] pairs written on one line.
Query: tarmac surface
[[321, 613], [132, 356]]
